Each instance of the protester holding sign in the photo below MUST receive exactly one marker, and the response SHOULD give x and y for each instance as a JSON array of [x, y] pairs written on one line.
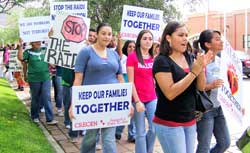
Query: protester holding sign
[[213, 121], [139, 69], [39, 80], [96, 65], [177, 79]]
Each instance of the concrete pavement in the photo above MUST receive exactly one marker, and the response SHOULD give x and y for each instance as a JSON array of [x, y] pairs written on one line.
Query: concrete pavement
[[58, 137], [58, 134]]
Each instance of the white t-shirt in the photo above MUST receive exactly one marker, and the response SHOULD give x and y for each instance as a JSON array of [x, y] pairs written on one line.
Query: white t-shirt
[[123, 63]]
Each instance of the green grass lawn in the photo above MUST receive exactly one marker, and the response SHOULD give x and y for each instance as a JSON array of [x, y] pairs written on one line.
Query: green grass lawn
[[18, 134]]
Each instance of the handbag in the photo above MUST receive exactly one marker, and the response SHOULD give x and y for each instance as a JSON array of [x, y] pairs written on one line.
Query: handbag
[[203, 102], [244, 140]]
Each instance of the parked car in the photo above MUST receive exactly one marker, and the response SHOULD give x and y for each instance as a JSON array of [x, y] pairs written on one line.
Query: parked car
[[245, 59]]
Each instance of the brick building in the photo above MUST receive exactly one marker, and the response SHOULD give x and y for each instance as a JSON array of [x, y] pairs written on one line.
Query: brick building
[[235, 26]]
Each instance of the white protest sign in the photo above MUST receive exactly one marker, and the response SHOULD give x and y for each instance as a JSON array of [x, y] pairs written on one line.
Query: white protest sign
[[99, 106], [69, 37], [34, 28], [14, 64], [1, 56], [230, 94], [71, 7], [135, 19]]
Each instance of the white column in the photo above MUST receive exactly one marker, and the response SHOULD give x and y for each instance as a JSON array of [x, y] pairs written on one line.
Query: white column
[[246, 33]]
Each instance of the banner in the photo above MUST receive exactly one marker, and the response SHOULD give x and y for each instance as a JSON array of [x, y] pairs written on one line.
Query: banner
[[69, 37], [73, 7], [100, 106], [14, 64], [34, 28], [135, 19], [230, 94]]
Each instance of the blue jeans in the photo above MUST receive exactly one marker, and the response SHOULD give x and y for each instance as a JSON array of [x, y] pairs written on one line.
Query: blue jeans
[[179, 139], [108, 140], [213, 122], [131, 129], [144, 141], [67, 94], [40, 91], [58, 90]]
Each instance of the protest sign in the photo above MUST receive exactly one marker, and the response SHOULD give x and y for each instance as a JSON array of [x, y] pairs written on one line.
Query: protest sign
[[14, 63], [99, 106], [34, 28], [135, 19], [69, 37], [72, 7], [230, 94]]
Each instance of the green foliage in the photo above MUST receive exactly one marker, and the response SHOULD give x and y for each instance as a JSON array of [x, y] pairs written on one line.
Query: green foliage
[[7, 5], [31, 12], [10, 34], [18, 133]]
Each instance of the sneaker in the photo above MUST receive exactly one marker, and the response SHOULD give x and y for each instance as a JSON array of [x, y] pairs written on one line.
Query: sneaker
[[60, 113], [73, 140], [83, 132], [36, 120], [53, 122], [76, 140], [67, 126], [42, 110], [98, 147]]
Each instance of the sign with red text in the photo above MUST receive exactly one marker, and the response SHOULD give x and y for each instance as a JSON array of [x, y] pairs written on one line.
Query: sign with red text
[[34, 28], [135, 19], [100, 106], [69, 37], [230, 94]]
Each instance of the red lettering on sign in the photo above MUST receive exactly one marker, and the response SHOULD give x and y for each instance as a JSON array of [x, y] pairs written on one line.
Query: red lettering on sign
[[74, 29]]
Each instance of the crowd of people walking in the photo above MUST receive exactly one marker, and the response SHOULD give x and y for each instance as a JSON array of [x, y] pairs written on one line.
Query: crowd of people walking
[[165, 77]]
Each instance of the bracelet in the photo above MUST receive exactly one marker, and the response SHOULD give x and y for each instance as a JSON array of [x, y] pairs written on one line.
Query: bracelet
[[193, 73]]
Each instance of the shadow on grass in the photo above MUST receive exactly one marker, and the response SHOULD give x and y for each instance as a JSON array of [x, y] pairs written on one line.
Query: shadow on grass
[[4, 85]]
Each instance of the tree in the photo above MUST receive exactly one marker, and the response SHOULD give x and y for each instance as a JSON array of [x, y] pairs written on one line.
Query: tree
[[194, 4], [7, 5], [10, 34]]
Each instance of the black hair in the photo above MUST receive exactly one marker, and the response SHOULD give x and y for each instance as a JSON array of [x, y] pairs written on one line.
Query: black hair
[[100, 26], [205, 36], [165, 48], [125, 47], [138, 46], [92, 30]]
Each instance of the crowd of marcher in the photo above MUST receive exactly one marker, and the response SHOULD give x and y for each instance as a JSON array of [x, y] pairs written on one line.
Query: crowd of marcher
[[165, 76]]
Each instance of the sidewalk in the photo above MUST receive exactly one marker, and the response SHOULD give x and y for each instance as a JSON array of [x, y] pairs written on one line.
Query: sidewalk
[[61, 140], [59, 132]]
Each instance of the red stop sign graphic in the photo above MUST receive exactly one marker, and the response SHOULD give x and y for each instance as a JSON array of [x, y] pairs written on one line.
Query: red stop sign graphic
[[74, 29]]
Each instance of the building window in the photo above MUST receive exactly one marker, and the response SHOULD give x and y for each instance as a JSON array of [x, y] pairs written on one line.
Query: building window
[[248, 41]]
